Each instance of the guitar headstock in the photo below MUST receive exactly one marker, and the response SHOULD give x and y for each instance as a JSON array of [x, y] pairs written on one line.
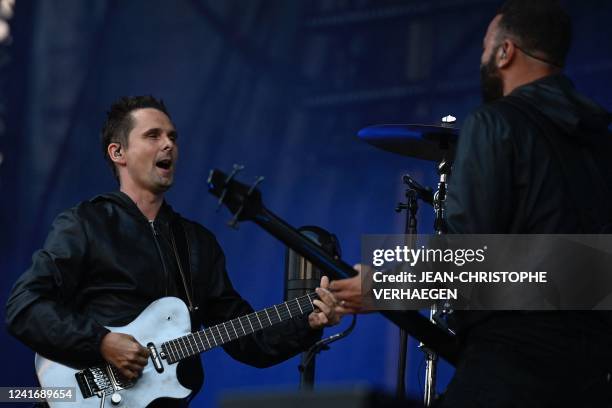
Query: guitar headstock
[[243, 201]]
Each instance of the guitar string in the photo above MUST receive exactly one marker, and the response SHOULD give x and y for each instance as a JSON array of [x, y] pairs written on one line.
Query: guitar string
[[184, 350]]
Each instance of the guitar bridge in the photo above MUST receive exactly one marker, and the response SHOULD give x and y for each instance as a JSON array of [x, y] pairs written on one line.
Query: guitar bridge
[[103, 379]]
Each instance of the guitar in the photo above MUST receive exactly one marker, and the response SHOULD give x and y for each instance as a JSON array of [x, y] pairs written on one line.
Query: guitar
[[246, 204], [164, 327]]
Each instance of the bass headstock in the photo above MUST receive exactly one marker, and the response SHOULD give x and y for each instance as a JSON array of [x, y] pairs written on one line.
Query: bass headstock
[[243, 201]]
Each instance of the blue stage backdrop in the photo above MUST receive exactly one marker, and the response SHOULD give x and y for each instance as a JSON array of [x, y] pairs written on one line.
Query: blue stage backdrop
[[279, 86]]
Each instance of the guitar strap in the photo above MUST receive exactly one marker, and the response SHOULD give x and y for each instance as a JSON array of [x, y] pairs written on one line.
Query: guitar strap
[[181, 248]]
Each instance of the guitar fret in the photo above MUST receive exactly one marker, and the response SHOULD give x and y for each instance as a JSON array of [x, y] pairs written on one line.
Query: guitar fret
[[184, 352], [194, 344], [206, 337], [234, 327], [228, 335], [177, 346], [266, 310], [240, 321], [312, 306], [188, 343], [309, 305], [220, 335], [251, 324], [306, 307], [288, 310], [176, 350], [214, 336], [205, 346], [298, 303], [194, 338], [257, 316], [199, 336], [169, 351], [280, 319]]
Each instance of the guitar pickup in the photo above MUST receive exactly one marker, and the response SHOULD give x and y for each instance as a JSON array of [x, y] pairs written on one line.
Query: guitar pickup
[[155, 358]]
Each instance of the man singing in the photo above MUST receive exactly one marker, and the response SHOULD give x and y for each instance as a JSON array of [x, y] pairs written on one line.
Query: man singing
[[108, 258]]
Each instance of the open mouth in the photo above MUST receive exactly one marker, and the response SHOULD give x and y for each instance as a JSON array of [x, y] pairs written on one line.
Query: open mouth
[[164, 164]]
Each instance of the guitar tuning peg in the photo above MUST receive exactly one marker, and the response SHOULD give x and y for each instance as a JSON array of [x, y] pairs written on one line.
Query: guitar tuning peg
[[258, 181], [233, 223], [236, 168]]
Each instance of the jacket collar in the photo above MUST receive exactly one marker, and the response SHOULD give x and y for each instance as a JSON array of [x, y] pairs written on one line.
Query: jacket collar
[[165, 214]]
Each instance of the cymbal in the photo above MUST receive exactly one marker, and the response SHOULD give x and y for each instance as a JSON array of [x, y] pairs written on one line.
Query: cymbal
[[425, 142]]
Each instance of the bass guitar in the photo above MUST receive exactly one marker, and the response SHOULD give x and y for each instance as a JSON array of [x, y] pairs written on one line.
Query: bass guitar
[[246, 204]]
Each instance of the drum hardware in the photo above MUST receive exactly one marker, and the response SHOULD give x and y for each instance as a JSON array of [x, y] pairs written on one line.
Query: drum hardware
[[433, 143], [411, 206], [426, 142]]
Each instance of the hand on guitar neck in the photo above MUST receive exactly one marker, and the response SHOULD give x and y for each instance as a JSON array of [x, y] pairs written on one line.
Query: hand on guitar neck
[[125, 353], [348, 293], [325, 312]]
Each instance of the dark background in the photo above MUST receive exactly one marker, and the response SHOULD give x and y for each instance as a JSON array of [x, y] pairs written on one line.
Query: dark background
[[280, 86]]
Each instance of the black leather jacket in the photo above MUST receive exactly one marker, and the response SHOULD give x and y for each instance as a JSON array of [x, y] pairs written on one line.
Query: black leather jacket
[[103, 262]]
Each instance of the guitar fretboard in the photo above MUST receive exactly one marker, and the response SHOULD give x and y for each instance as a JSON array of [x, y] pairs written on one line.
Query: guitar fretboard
[[195, 343]]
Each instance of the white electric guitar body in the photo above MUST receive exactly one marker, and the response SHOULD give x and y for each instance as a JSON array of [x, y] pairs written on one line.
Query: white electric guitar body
[[164, 328]]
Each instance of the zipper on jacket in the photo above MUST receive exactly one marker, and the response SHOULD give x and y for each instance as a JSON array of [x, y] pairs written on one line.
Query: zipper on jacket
[[161, 255]]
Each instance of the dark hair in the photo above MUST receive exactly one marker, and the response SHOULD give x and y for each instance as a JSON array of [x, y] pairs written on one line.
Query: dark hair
[[539, 25], [119, 122]]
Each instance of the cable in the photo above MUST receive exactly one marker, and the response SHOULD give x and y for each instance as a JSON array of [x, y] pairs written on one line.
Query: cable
[[322, 344]]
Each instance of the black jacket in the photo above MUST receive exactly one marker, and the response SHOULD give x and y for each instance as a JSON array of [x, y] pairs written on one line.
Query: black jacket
[[534, 162], [103, 262], [506, 176]]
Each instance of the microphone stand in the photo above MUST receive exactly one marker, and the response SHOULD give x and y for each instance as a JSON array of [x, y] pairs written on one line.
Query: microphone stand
[[413, 192], [435, 315]]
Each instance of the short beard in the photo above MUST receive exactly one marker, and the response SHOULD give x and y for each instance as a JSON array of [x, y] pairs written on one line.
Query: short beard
[[491, 84]]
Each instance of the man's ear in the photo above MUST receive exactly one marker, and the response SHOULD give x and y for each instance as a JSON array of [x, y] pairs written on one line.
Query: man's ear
[[505, 54], [115, 153]]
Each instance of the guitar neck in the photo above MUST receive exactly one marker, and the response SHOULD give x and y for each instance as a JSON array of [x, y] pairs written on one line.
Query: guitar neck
[[198, 342], [416, 324], [246, 204]]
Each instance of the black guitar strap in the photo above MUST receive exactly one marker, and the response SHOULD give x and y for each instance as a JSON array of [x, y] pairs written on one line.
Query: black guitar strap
[[181, 248]]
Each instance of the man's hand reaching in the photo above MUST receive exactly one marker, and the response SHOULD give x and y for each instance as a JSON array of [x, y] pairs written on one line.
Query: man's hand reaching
[[348, 293]]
